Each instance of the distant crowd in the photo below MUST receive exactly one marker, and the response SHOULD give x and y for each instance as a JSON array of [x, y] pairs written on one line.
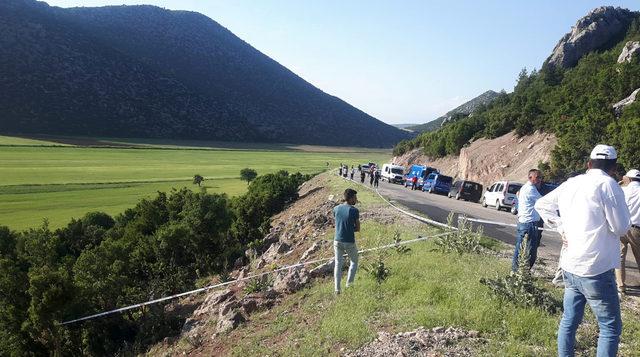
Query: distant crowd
[[372, 170]]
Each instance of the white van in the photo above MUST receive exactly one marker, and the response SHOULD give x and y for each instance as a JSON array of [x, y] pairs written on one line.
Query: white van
[[393, 173], [501, 195]]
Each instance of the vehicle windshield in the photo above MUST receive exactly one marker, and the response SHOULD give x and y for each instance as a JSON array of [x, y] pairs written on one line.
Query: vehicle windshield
[[513, 188], [469, 186], [396, 171], [445, 179]]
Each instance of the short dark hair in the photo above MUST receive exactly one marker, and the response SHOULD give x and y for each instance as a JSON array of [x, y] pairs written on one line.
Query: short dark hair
[[349, 194], [536, 171], [605, 165]]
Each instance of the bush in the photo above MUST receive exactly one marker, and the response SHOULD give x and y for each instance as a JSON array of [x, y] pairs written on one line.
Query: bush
[[462, 240], [519, 287]]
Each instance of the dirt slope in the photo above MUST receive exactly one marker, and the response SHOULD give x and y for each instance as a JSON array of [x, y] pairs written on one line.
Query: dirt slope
[[488, 160]]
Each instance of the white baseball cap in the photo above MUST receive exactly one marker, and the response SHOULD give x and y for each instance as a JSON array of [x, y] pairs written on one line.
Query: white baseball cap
[[633, 174], [603, 152]]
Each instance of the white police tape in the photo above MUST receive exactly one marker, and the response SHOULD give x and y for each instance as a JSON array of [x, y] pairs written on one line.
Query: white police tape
[[195, 291], [413, 215], [484, 221]]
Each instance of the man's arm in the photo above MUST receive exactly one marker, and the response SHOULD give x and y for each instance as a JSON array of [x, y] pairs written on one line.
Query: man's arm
[[357, 220], [547, 208], [357, 227], [616, 210]]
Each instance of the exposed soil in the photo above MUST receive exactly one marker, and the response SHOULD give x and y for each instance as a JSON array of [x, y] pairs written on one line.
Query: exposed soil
[[488, 160]]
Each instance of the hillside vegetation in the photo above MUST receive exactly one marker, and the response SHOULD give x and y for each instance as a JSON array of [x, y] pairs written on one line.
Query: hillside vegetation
[[147, 72], [161, 246], [573, 103]]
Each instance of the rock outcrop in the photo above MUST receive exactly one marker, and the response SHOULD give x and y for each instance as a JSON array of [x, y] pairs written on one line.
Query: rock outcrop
[[600, 28], [438, 341], [488, 160], [630, 49], [619, 107]]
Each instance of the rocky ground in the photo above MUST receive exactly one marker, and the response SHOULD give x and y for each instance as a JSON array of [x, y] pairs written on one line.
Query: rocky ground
[[438, 341]]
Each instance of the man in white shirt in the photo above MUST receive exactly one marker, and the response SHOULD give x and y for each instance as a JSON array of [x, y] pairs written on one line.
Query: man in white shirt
[[529, 222], [590, 213], [632, 238]]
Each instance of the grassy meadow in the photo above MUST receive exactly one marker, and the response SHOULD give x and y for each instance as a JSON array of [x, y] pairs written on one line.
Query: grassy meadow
[[45, 179]]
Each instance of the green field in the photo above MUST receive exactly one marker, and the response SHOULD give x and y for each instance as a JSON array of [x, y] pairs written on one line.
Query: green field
[[58, 183]]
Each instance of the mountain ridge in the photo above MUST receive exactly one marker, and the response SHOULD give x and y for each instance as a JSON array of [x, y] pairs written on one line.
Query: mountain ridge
[[167, 74], [463, 109]]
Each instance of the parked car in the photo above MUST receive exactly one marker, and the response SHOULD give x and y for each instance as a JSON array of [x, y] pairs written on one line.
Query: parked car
[[365, 167], [466, 190], [419, 171], [437, 182], [393, 173], [546, 188], [501, 195]]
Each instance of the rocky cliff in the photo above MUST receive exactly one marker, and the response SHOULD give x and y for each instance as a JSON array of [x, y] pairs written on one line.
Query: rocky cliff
[[599, 29], [489, 160]]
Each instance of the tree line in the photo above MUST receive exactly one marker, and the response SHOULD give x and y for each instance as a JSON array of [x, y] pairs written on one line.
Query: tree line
[[162, 246], [574, 104]]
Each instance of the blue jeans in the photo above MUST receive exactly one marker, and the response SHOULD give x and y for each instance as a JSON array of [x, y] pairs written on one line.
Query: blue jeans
[[351, 250], [600, 292], [531, 229]]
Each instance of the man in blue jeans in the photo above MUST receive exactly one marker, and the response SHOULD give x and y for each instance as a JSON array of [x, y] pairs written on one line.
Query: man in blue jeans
[[590, 213], [529, 221], [347, 219]]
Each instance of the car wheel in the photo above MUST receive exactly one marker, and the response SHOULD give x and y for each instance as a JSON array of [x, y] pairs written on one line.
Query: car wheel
[[514, 210], [458, 197], [484, 202], [431, 189], [498, 207], [449, 195]]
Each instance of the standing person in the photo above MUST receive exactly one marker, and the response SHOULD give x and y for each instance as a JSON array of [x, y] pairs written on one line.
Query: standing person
[[590, 212], [632, 238], [362, 177], [372, 174], [414, 183], [347, 219], [376, 179], [529, 220], [340, 171], [353, 171]]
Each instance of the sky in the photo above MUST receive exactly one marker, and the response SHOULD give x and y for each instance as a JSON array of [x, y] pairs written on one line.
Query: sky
[[402, 62]]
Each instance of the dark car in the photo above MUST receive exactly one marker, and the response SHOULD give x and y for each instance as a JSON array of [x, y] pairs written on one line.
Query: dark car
[[466, 190], [546, 188]]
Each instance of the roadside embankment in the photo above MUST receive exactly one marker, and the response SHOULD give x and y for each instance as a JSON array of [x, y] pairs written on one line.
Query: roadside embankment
[[487, 160], [431, 303]]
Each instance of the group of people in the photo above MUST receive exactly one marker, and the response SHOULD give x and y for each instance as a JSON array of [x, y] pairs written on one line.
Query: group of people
[[597, 220], [372, 171]]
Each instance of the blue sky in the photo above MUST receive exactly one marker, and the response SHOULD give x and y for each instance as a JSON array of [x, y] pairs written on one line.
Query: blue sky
[[402, 62]]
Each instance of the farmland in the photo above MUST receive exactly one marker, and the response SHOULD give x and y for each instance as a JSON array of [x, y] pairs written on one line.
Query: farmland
[[57, 181]]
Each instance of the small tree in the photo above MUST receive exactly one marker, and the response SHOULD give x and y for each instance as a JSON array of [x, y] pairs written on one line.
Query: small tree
[[248, 175], [197, 179]]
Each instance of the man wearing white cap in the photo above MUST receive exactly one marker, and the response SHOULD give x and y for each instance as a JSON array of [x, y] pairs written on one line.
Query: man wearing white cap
[[632, 238], [590, 212]]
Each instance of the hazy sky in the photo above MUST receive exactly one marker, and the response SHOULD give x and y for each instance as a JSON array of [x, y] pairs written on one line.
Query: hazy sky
[[402, 62]]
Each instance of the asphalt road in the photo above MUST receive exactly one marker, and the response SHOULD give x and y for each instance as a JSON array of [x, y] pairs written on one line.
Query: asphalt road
[[438, 207]]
